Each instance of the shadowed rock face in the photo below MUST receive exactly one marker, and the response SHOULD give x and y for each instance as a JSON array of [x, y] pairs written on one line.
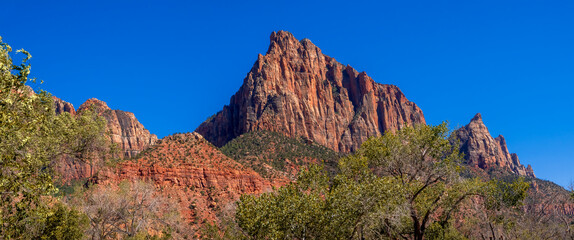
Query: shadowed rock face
[[483, 151], [297, 90], [126, 130]]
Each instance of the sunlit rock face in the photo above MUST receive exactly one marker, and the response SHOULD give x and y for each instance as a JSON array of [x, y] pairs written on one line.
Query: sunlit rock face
[[296, 90], [126, 131], [483, 151], [192, 171]]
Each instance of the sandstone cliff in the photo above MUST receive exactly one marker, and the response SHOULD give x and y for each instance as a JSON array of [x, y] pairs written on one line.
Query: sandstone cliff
[[125, 129], [61, 106], [297, 90], [483, 151]]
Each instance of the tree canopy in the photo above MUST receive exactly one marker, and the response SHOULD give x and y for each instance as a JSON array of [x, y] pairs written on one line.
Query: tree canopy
[[403, 185], [32, 136]]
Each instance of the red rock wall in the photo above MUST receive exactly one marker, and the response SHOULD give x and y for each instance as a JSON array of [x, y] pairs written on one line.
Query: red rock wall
[[191, 170], [62, 106], [125, 129], [297, 90]]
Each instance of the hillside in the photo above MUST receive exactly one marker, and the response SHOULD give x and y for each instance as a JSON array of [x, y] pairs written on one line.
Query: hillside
[[189, 169], [272, 154]]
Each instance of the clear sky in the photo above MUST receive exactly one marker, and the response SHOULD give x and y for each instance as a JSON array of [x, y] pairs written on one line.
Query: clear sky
[[175, 63]]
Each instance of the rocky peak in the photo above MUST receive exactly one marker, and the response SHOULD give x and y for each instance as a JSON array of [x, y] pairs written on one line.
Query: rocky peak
[[483, 151], [297, 90], [285, 42], [61, 106], [125, 129], [95, 105], [477, 118]]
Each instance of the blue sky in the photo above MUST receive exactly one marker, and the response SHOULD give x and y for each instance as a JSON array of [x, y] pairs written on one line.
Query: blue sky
[[175, 63]]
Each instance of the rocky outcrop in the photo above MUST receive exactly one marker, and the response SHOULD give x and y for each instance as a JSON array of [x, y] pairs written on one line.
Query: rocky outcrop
[[61, 106], [483, 151], [125, 129], [188, 168], [297, 90]]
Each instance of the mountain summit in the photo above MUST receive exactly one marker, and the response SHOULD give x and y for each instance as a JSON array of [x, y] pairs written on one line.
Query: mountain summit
[[483, 151], [296, 90]]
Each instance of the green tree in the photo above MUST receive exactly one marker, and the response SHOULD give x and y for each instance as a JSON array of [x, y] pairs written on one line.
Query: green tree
[[31, 138], [425, 167], [403, 185], [64, 224], [28, 130]]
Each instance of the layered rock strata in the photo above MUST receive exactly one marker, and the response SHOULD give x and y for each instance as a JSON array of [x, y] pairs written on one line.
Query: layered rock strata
[[125, 129], [297, 90], [188, 168]]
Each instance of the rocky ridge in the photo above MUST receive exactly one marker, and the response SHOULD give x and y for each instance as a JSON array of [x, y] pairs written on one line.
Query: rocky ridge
[[483, 151], [296, 90], [126, 131], [188, 168]]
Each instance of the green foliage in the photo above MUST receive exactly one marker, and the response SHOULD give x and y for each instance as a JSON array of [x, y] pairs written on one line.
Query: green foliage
[[401, 185], [275, 149], [65, 224], [28, 129], [426, 169], [504, 194], [32, 137]]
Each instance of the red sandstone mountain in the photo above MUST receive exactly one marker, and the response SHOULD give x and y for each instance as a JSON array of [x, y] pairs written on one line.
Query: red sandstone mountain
[[483, 151], [62, 106], [184, 166], [125, 129], [297, 90], [188, 168]]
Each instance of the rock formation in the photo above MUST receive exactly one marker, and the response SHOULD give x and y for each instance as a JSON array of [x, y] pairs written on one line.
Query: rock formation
[[125, 129], [483, 151], [194, 172], [61, 106], [297, 90]]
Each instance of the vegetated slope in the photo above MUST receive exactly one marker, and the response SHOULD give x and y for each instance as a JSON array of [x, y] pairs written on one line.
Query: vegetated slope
[[188, 168], [297, 90], [274, 155]]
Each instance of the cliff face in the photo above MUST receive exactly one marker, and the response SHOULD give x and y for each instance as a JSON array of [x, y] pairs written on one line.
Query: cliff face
[[62, 106], [126, 130], [188, 168], [483, 151], [297, 90]]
